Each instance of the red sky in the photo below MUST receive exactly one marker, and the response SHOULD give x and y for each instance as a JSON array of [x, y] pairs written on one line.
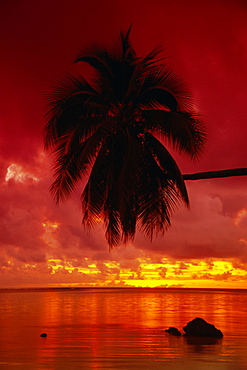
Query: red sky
[[41, 244]]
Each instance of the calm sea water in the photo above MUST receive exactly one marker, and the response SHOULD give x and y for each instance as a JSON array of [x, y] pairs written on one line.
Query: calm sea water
[[120, 329]]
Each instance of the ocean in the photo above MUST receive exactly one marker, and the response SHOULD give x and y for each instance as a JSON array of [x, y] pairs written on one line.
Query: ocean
[[120, 329]]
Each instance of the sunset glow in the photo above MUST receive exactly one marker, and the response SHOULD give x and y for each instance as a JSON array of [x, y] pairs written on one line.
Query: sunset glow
[[44, 244], [195, 273]]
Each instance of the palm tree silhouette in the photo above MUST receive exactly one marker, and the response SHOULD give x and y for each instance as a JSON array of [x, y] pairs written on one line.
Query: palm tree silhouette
[[112, 131]]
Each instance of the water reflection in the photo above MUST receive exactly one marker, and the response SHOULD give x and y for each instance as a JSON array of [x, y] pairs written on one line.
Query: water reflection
[[202, 341], [120, 329]]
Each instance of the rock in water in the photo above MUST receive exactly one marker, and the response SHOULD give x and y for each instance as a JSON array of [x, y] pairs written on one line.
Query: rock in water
[[201, 328], [43, 335], [173, 331]]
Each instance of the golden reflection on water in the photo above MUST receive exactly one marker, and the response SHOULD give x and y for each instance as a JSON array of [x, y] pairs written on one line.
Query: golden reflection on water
[[120, 329]]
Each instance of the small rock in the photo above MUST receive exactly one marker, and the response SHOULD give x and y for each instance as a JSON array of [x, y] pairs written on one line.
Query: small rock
[[43, 335], [201, 328], [173, 331]]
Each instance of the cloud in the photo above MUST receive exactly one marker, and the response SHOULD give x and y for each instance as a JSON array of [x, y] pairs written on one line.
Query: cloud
[[204, 231]]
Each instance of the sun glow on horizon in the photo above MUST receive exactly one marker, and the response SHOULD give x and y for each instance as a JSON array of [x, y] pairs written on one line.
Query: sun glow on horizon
[[88, 273]]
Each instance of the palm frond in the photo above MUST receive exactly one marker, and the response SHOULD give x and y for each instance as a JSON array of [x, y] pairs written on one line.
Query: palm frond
[[184, 130], [113, 64], [155, 97], [72, 101], [113, 228], [66, 172], [126, 183], [155, 201], [74, 160], [95, 192], [168, 166], [113, 182]]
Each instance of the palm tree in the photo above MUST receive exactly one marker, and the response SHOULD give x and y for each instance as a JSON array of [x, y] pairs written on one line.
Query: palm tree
[[111, 131]]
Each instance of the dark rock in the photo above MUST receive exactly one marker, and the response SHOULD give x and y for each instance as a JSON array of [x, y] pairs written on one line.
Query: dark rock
[[43, 335], [173, 331], [200, 328]]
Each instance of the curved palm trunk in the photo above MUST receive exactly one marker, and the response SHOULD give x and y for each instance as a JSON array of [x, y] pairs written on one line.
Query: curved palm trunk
[[216, 174]]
